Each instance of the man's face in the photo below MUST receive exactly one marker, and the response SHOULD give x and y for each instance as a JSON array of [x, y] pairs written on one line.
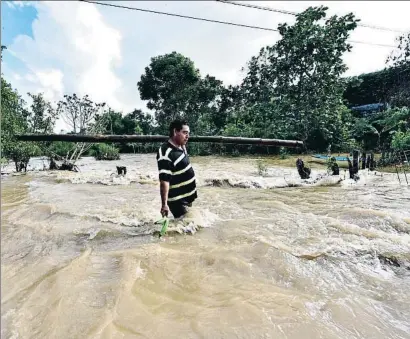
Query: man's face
[[181, 137]]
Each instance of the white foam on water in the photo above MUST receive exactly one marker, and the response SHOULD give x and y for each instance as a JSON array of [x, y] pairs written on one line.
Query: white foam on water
[[140, 273]]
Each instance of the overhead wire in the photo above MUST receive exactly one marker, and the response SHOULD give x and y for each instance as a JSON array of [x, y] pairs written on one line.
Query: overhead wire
[[179, 15], [270, 9], [214, 21]]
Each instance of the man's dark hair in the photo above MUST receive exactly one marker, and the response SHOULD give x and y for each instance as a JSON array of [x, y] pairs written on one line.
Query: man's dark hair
[[176, 124]]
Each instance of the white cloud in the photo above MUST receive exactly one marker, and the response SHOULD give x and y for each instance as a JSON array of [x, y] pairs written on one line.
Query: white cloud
[[73, 51], [52, 83], [102, 51]]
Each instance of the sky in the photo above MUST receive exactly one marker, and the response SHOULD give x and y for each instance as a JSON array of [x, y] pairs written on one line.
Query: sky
[[65, 47]]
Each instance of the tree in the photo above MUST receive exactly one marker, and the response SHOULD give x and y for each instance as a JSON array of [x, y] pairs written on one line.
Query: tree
[[79, 113], [204, 111], [43, 116], [366, 134], [401, 141], [15, 119], [41, 120], [399, 60], [138, 122], [297, 81], [111, 122], [401, 55], [83, 116], [174, 89], [377, 87], [166, 84]]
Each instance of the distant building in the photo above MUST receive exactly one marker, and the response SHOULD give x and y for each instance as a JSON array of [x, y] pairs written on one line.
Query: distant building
[[370, 109]]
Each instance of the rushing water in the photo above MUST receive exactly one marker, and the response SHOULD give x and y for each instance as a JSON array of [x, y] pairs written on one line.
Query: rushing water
[[267, 257]]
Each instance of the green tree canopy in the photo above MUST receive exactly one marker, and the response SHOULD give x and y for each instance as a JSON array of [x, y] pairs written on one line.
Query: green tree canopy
[[297, 82], [174, 89]]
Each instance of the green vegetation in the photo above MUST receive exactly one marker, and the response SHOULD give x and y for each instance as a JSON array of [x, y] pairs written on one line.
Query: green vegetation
[[105, 152], [293, 89], [401, 140]]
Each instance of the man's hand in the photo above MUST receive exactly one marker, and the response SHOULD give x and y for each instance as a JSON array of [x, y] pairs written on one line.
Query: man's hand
[[164, 210]]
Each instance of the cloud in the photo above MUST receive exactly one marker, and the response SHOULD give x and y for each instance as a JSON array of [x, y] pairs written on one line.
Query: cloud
[[102, 51], [72, 51]]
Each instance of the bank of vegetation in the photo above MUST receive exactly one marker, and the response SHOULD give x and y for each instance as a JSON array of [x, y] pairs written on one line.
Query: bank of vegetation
[[293, 89]]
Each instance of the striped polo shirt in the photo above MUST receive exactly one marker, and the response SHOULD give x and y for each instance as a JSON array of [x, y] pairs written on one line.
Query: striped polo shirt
[[174, 167]]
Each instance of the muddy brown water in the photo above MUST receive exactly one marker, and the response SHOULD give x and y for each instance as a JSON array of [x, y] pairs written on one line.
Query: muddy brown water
[[269, 257]]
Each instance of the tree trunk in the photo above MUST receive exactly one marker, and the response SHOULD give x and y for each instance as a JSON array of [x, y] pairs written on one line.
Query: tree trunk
[[157, 138]]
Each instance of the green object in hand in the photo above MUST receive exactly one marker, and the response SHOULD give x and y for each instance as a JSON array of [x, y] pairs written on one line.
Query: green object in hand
[[164, 222]]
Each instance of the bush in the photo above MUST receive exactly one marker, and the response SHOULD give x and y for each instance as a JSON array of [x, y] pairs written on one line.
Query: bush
[[62, 148], [401, 141], [105, 152]]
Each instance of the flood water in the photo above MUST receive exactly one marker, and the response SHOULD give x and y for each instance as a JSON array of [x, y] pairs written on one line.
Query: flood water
[[266, 257]]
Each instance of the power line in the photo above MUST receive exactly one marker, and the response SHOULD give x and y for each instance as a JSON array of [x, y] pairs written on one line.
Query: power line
[[180, 16], [270, 9], [215, 21], [370, 43]]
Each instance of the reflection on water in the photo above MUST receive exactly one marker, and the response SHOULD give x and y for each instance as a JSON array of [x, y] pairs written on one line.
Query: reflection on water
[[324, 260]]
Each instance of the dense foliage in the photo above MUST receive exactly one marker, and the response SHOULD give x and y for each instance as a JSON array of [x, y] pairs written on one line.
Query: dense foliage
[[387, 85], [293, 89], [105, 152]]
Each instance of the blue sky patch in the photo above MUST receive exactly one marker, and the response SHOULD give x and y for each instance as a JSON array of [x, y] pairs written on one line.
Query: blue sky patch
[[16, 20]]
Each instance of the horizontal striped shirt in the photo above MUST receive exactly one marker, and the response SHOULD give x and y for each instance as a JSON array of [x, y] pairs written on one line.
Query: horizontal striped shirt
[[174, 166]]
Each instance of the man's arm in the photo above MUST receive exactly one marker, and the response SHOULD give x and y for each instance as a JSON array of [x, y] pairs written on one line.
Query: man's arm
[[165, 175], [164, 189]]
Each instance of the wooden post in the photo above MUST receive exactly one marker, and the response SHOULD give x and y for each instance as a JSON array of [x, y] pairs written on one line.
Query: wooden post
[[363, 160], [397, 171], [368, 161], [390, 158], [372, 164], [351, 172], [355, 161]]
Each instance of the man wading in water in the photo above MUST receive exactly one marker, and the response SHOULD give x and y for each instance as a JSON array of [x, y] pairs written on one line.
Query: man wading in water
[[176, 175]]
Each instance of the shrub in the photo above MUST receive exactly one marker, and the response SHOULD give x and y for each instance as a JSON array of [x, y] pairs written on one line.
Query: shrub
[[401, 141], [105, 152]]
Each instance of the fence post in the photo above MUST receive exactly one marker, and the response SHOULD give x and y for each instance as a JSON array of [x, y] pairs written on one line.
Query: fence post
[[372, 164], [355, 161], [363, 160]]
